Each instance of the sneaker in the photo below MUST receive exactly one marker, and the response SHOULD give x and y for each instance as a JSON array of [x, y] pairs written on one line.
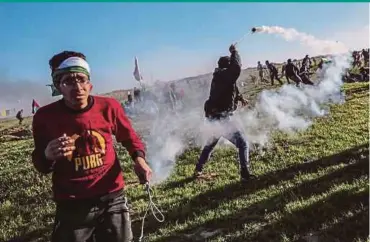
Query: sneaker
[[246, 177], [197, 173]]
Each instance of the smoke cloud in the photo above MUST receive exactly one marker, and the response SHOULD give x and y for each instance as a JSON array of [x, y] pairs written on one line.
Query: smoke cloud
[[18, 94]]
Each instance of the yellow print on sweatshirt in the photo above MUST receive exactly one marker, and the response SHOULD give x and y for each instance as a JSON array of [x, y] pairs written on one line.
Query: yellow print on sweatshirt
[[90, 150]]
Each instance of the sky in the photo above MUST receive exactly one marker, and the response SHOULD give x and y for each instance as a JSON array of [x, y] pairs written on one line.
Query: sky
[[171, 40]]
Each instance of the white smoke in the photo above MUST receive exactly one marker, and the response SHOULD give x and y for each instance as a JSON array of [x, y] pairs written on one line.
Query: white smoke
[[317, 46], [288, 109], [18, 94]]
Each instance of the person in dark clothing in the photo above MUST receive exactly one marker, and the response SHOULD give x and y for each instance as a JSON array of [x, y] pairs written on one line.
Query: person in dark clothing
[[273, 73], [306, 62], [129, 98], [364, 72], [19, 116], [304, 75], [137, 93], [292, 72], [356, 58], [283, 72], [220, 106], [365, 54], [260, 71], [321, 64]]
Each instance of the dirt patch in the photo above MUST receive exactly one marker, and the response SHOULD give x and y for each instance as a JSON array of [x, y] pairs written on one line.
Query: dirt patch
[[15, 133]]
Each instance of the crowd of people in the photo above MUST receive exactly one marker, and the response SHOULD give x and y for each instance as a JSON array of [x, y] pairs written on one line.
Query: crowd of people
[[301, 72]]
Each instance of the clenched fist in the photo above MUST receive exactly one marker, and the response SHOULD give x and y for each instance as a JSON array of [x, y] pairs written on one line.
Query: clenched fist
[[232, 48], [59, 148]]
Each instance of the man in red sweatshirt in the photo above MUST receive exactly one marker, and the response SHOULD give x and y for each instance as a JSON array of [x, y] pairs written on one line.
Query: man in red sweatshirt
[[73, 141]]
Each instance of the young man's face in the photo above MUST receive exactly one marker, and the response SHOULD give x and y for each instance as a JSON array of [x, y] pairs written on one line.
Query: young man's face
[[75, 88]]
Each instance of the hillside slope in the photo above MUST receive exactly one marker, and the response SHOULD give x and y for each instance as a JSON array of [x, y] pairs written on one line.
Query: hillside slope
[[310, 187]]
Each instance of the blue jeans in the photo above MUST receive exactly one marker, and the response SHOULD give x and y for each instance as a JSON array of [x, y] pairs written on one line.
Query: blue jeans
[[239, 141]]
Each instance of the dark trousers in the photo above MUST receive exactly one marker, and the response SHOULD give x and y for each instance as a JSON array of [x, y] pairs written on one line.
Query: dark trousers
[[273, 76], [87, 221], [20, 120], [306, 80], [238, 140], [295, 78]]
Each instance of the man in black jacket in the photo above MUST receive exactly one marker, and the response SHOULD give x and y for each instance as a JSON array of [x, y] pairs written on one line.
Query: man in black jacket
[[292, 72], [273, 73], [304, 75], [220, 106]]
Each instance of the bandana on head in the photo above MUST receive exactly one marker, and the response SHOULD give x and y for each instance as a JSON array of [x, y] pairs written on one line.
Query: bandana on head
[[72, 64]]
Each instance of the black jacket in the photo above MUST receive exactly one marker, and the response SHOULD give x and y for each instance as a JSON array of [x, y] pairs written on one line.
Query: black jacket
[[291, 69], [223, 88], [272, 68]]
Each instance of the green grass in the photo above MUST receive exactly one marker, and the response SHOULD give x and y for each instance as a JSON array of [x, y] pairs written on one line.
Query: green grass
[[313, 185]]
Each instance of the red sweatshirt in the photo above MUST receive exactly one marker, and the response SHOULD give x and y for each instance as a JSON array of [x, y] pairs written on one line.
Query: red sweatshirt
[[93, 169]]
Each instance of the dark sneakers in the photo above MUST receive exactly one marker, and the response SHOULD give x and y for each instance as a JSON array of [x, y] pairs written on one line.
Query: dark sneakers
[[246, 175], [197, 174]]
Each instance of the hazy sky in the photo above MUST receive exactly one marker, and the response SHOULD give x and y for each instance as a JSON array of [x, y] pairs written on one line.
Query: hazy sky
[[171, 40]]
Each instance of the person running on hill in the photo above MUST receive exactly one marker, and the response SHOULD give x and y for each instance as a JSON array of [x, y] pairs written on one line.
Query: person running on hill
[[283, 72], [365, 54], [292, 72], [273, 73], [19, 116], [304, 75], [260, 71], [306, 62], [220, 106], [73, 141]]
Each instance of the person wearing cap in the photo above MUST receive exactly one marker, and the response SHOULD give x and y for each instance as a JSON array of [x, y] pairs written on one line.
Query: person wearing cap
[[221, 104], [73, 141]]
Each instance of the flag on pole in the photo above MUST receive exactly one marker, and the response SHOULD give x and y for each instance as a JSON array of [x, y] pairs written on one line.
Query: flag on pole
[[137, 74], [35, 106]]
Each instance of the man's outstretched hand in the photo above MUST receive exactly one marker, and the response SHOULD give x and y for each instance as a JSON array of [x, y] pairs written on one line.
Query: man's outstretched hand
[[142, 170]]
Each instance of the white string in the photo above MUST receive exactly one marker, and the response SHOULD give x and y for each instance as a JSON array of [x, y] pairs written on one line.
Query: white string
[[151, 206], [241, 39]]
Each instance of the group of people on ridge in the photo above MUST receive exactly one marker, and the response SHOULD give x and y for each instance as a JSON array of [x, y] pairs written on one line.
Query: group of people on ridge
[[289, 70]]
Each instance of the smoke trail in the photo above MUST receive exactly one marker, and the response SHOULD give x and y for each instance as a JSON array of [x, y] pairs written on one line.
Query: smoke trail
[[318, 46], [288, 109]]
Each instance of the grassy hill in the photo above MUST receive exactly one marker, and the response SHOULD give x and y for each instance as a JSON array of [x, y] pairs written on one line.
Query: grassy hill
[[309, 187]]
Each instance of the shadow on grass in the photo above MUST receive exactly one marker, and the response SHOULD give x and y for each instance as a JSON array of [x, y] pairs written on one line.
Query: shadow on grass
[[310, 219], [35, 235], [357, 165], [359, 224]]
